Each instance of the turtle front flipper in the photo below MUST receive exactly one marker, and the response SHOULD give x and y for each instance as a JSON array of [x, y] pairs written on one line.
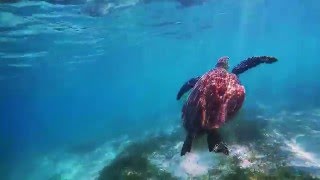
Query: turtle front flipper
[[187, 144], [252, 62], [215, 142], [187, 86]]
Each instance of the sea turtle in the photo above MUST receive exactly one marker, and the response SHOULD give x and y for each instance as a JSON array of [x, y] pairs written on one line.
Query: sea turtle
[[215, 98]]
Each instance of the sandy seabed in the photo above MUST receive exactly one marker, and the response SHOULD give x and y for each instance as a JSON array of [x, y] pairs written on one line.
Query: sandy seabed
[[283, 145]]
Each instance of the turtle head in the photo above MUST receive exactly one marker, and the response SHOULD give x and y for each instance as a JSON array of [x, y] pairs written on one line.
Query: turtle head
[[223, 62]]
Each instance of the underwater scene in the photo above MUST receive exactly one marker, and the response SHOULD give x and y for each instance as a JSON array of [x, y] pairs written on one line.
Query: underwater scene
[[151, 89]]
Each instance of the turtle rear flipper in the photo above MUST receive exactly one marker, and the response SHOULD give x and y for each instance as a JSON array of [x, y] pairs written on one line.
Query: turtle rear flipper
[[221, 148], [187, 144], [252, 62], [187, 86], [215, 143]]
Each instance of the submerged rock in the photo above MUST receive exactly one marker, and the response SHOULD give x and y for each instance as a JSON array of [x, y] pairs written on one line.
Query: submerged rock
[[133, 163]]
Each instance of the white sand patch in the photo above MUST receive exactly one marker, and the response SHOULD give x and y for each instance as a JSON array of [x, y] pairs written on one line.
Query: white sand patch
[[201, 162], [243, 154], [301, 157], [195, 163]]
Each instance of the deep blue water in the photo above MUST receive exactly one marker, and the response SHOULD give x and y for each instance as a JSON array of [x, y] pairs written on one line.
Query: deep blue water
[[69, 78]]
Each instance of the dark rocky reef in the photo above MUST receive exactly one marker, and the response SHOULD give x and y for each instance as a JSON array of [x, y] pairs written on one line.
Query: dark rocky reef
[[133, 163]]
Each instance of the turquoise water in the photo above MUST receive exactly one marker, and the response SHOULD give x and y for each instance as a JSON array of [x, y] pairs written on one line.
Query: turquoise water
[[82, 82]]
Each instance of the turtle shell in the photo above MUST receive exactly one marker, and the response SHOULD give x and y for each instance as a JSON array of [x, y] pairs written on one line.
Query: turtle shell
[[215, 98]]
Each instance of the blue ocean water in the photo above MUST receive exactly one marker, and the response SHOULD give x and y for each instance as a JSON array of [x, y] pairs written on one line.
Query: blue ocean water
[[76, 75]]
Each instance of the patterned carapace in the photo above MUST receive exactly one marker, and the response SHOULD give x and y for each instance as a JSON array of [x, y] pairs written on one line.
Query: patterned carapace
[[216, 97]]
